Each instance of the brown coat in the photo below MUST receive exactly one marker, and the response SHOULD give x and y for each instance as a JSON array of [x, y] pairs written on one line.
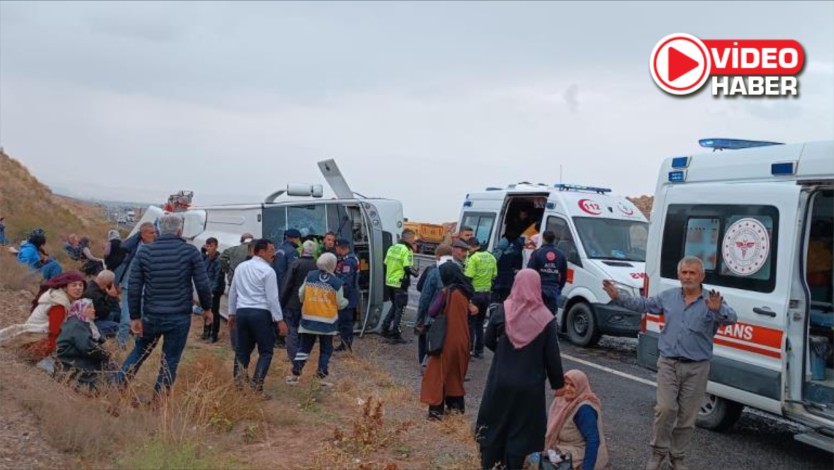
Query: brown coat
[[571, 440], [445, 372]]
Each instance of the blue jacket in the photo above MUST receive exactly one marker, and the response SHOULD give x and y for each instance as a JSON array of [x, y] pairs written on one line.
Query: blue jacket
[[163, 277], [29, 255], [431, 287], [284, 256], [347, 269], [551, 265], [217, 280]]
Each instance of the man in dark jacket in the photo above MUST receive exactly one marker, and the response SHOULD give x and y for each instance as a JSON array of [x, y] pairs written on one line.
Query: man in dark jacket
[[347, 270], [217, 281], [510, 256], [552, 266], [144, 236], [102, 292], [290, 302], [286, 254], [160, 300]]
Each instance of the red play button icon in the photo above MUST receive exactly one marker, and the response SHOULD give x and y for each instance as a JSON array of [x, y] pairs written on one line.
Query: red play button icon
[[680, 64]]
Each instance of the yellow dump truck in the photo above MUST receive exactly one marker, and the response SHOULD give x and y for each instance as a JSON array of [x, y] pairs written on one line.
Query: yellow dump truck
[[428, 235]]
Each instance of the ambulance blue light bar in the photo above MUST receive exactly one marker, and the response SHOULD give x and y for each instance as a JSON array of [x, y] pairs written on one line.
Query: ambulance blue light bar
[[680, 162], [677, 176], [734, 144], [576, 187], [782, 168]]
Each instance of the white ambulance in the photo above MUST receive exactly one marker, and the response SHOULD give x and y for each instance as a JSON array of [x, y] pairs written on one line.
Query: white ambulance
[[603, 237], [761, 220], [372, 224]]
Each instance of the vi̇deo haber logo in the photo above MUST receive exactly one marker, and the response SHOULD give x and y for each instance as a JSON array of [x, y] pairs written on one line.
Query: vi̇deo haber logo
[[681, 63]]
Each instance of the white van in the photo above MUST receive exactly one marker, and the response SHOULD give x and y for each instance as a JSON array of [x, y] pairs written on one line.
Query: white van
[[372, 224], [761, 220], [602, 236]]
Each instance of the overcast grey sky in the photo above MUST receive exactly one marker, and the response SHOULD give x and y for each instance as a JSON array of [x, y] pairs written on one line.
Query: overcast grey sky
[[421, 102]]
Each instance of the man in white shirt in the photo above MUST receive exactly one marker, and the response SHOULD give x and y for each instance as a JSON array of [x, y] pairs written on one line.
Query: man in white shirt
[[255, 308]]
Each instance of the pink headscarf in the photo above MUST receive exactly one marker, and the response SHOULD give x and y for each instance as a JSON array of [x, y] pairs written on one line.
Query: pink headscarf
[[78, 308], [525, 313]]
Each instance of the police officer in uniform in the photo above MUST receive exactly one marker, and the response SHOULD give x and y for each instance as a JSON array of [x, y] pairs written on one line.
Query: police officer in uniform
[[347, 269], [399, 262], [552, 266]]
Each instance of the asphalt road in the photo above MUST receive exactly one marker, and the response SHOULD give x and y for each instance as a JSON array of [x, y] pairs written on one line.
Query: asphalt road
[[757, 441]]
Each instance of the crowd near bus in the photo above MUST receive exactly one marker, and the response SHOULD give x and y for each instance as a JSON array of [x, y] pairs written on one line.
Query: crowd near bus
[[529, 263]]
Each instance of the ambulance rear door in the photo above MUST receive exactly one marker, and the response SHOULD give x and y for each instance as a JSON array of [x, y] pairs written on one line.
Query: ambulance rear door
[[744, 233]]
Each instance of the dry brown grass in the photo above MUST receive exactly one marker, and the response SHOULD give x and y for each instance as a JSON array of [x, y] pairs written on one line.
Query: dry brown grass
[[367, 421], [15, 276]]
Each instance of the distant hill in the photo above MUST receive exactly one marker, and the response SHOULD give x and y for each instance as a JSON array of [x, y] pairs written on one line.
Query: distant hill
[[26, 203]]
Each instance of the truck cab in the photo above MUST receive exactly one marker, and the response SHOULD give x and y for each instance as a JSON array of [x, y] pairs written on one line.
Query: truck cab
[[760, 218], [602, 236]]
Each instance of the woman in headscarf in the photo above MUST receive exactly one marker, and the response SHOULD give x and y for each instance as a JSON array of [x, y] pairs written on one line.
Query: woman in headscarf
[[442, 385], [523, 335], [81, 357], [322, 296], [575, 424], [114, 254], [39, 334]]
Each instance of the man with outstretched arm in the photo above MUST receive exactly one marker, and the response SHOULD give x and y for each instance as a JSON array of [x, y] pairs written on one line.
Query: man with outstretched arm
[[692, 316]]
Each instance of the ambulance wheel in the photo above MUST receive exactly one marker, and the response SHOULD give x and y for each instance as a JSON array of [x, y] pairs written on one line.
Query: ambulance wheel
[[581, 326], [718, 414]]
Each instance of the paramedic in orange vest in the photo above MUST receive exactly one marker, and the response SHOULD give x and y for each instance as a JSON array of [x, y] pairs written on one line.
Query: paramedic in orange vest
[[692, 317]]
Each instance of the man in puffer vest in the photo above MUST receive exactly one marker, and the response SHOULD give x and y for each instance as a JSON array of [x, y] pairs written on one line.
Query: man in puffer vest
[[321, 299]]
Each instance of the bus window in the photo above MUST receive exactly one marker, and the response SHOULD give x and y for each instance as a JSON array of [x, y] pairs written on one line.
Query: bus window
[[275, 224], [309, 220]]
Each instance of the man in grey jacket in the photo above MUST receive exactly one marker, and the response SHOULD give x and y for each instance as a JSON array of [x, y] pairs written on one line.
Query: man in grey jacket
[[692, 317]]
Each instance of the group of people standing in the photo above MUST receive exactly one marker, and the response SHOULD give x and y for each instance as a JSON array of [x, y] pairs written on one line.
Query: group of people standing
[[513, 428], [152, 295]]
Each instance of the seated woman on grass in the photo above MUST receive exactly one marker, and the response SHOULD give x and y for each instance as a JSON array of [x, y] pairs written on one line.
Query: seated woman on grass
[[38, 336], [81, 358]]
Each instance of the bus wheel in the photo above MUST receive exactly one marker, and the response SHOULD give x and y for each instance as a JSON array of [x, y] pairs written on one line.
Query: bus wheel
[[718, 414], [581, 326]]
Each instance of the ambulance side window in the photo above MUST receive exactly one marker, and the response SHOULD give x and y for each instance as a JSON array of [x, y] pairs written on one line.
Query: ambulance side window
[[481, 223], [564, 239], [737, 244]]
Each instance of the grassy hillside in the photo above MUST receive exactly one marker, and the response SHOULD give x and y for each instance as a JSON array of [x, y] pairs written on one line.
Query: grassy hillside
[[27, 204]]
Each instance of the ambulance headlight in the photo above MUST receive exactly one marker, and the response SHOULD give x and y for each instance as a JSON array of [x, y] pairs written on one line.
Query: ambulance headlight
[[624, 290]]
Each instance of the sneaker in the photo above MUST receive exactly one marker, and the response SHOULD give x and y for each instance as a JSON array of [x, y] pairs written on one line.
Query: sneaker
[[292, 379], [397, 340]]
